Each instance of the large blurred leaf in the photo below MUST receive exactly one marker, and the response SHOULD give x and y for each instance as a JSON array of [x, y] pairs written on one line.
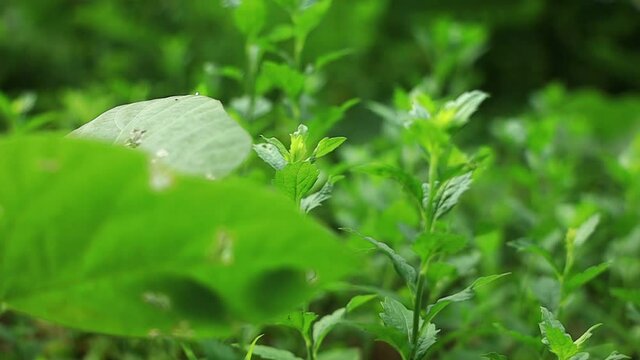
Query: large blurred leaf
[[87, 241], [192, 133]]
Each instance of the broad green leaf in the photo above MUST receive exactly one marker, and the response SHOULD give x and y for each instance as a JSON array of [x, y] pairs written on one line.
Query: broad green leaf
[[87, 240], [428, 337], [297, 179], [577, 280], [449, 193], [192, 134], [340, 354], [322, 327], [464, 295], [250, 16], [327, 145], [390, 335], [395, 315], [271, 155], [252, 347], [465, 105], [404, 269], [270, 353], [584, 231]]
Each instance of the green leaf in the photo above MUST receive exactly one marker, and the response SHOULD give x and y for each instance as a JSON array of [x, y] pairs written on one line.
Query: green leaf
[[465, 105], [297, 179], [270, 353], [192, 134], [322, 327], [326, 59], [428, 337], [587, 334], [585, 230], [250, 16], [280, 146], [327, 145], [403, 268], [106, 251], [449, 193], [299, 320], [316, 199], [555, 336], [577, 280], [270, 154], [464, 295], [252, 347], [390, 335], [396, 316], [617, 356], [309, 18]]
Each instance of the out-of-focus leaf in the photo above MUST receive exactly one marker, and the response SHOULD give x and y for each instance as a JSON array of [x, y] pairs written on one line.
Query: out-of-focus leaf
[[192, 134]]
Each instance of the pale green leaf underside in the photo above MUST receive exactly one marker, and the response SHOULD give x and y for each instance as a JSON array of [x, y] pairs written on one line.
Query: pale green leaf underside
[[192, 134], [85, 241]]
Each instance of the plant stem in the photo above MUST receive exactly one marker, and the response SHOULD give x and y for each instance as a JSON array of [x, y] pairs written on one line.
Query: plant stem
[[422, 268]]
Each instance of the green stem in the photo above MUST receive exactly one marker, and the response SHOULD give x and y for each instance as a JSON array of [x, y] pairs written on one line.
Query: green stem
[[428, 227]]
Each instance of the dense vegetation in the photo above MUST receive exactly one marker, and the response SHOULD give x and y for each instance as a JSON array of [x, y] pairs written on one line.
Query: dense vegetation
[[352, 194]]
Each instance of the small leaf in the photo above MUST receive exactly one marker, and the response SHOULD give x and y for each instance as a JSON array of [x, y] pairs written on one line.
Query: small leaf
[[270, 154], [585, 230], [428, 337], [327, 145], [560, 343], [396, 316], [449, 193], [326, 59], [280, 146], [282, 77], [252, 347], [299, 320], [466, 294], [404, 269], [617, 356], [630, 295], [323, 326], [587, 334], [297, 179], [465, 105], [305, 21], [584, 277], [270, 353]]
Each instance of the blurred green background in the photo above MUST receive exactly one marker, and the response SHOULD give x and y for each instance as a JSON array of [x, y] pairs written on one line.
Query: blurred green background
[[563, 121]]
